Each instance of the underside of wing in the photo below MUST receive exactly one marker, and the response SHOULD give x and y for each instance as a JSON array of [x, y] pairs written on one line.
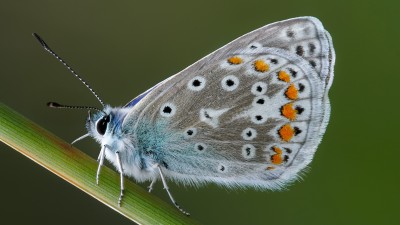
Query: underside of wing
[[248, 114]]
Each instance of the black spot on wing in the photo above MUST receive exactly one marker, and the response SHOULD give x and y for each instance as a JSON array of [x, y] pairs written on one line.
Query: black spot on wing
[[301, 87], [299, 50], [313, 63], [299, 109], [292, 72], [290, 34], [312, 48], [196, 83], [167, 109]]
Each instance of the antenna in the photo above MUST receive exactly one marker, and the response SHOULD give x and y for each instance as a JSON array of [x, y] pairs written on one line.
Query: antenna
[[47, 48], [59, 106]]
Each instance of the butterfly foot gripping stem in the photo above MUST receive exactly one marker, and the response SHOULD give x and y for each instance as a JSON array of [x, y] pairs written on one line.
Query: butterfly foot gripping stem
[[100, 159], [121, 172], [169, 193], [150, 187], [120, 197]]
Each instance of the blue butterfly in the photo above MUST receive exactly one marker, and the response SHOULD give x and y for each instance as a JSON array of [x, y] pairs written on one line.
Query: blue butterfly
[[250, 114]]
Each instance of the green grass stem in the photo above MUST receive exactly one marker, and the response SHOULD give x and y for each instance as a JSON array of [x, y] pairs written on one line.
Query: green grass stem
[[79, 169]]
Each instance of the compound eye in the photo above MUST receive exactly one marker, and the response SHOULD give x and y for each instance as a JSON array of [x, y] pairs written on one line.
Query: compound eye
[[101, 125]]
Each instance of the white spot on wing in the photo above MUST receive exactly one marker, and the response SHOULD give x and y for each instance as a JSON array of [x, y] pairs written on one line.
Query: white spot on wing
[[190, 132], [249, 134], [197, 83], [258, 118], [210, 116], [248, 151], [168, 109], [230, 83], [259, 88]]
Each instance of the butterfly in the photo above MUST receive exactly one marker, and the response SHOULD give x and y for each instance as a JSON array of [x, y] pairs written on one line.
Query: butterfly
[[250, 114]]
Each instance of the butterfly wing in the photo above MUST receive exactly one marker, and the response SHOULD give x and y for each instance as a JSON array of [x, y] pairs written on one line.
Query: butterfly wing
[[249, 114]]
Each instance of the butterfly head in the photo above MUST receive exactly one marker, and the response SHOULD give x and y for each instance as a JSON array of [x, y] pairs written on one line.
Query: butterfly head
[[99, 123], [105, 125]]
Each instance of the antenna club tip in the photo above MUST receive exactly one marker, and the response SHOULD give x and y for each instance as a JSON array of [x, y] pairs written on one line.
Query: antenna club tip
[[53, 104], [37, 36], [41, 41]]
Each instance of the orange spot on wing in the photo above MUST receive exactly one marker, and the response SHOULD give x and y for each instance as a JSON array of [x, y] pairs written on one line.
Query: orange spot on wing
[[277, 158], [235, 60], [289, 112], [286, 132], [283, 76], [277, 150], [292, 92], [261, 66]]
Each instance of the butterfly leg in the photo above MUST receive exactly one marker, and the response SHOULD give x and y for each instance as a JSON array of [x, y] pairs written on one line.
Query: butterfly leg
[[100, 159], [169, 193], [121, 177], [150, 187], [80, 138]]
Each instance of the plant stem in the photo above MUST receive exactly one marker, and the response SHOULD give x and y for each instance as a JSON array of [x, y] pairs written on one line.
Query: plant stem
[[79, 169]]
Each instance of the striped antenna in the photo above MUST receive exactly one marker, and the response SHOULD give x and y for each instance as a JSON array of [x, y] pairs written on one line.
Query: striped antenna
[[59, 106], [47, 48]]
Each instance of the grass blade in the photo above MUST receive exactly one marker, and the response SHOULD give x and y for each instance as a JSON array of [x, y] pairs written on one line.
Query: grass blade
[[79, 169]]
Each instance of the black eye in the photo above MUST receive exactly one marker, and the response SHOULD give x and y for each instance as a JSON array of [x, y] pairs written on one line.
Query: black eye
[[101, 125]]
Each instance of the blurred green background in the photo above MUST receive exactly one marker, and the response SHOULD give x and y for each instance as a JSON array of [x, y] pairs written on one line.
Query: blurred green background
[[115, 46]]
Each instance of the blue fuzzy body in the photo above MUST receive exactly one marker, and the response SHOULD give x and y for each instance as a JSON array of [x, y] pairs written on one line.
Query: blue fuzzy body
[[141, 149]]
